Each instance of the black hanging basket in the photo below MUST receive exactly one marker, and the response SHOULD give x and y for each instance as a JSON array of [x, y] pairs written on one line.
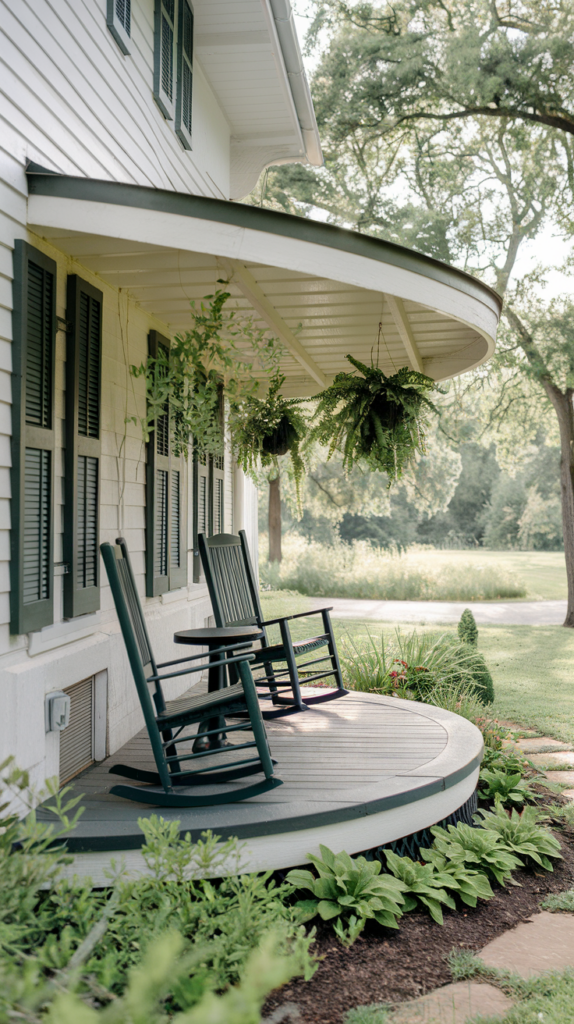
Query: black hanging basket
[[280, 440]]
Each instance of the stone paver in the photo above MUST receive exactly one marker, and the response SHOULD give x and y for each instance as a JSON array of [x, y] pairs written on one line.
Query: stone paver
[[453, 1004], [529, 745], [566, 757], [566, 778], [511, 613], [545, 943]]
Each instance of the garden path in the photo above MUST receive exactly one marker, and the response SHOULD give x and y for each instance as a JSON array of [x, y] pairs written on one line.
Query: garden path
[[504, 613]]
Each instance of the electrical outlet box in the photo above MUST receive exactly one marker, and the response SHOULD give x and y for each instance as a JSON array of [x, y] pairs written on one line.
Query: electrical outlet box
[[57, 711]]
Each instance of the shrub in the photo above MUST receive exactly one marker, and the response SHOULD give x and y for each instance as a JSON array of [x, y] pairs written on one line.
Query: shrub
[[349, 892], [359, 570], [467, 628]]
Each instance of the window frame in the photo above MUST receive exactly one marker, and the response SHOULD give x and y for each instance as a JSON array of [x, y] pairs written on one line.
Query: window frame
[[31, 616], [121, 34]]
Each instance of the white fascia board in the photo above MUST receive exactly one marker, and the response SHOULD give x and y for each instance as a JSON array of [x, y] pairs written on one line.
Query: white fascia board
[[282, 25]]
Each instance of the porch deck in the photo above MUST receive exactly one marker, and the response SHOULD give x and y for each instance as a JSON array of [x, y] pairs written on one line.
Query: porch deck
[[358, 772]]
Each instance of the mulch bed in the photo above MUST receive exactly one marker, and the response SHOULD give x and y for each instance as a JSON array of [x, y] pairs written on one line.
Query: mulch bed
[[386, 966]]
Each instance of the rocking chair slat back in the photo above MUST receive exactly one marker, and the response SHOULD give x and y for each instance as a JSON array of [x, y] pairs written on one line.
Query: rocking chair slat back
[[231, 585]]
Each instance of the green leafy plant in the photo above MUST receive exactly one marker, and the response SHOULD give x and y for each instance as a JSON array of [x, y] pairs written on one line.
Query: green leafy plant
[[521, 833], [468, 884], [482, 848], [467, 628], [424, 883], [263, 429], [511, 788], [348, 892], [560, 901], [505, 760], [374, 419], [214, 358]]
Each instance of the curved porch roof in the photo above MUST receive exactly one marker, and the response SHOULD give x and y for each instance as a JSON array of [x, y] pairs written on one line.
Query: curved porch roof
[[322, 289]]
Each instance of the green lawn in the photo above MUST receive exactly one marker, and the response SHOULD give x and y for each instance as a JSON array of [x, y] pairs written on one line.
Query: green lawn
[[543, 572], [532, 667]]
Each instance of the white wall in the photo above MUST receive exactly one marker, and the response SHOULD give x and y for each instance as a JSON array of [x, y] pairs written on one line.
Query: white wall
[[71, 101]]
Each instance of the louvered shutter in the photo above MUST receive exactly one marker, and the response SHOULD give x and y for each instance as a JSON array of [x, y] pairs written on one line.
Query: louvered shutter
[[166, 520], [217, 479], [201, 516], [183, 107], [164, 45], [83, 448], [119, 18], [33, 440]]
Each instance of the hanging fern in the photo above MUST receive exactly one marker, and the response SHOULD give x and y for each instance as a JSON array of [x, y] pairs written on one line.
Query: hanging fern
[[374, 419], [263, 429]]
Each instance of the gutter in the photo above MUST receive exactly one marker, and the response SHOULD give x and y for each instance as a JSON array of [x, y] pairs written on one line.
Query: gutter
[[282, 15]]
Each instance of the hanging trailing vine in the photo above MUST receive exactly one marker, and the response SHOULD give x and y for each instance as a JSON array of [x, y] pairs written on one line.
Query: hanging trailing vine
[[263, 429], [214, 359], [374, 419]]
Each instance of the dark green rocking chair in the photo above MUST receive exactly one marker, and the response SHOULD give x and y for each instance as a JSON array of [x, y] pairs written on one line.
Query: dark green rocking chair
[[167, 722], [235, 599]]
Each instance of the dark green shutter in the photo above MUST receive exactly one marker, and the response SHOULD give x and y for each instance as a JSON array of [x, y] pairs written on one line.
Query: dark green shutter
[[33, 440], [83, 447], [183, 106], [201, 518], [217, 495], [166, 521], [164, 36]]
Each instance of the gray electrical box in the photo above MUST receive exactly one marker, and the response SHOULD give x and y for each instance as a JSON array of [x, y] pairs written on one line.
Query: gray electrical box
[[57, 711]]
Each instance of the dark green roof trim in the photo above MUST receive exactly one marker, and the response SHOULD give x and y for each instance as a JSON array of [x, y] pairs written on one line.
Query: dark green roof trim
[[44, 183]]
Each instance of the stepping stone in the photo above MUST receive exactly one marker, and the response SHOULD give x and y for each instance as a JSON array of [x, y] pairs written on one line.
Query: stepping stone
[[564, 777], [566, 757], [545, 943], [535, 745], [454, 1004], [568, 793]]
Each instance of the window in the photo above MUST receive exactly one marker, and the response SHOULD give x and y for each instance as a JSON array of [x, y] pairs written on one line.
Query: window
[[164, 44], [119, 19], [166, 519], [83, 448], [184, 74], [33, 440]]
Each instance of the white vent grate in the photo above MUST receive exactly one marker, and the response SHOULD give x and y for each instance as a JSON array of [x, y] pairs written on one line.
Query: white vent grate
[[77, 740]]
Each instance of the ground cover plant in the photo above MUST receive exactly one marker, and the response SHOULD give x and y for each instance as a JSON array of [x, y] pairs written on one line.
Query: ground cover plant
[[359, 570]]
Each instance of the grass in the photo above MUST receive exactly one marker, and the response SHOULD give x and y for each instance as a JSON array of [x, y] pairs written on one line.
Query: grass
[[420, 574], [531, 665], [360, 571]]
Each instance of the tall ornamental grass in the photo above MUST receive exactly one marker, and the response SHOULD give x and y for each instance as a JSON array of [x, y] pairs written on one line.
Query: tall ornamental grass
[[358, 570], [436, 668]]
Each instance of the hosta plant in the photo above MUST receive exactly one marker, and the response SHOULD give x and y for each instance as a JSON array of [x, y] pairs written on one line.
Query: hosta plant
[[374, 419], [478, 848], [424, 884], [511, 789], [521, 833], [468, 884], [349, 893]]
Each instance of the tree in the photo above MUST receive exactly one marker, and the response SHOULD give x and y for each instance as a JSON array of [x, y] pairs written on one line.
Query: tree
[[447, 125]]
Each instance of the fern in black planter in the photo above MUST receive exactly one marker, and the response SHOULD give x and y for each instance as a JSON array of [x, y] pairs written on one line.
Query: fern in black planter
[[373, 418], [263, 429]]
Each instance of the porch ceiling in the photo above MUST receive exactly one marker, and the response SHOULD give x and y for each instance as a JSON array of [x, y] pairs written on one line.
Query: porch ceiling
[[324, 291]]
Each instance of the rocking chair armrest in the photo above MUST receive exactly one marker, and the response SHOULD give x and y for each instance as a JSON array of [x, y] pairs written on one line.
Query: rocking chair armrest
[[222, 663], [203, 654], [299, 615]]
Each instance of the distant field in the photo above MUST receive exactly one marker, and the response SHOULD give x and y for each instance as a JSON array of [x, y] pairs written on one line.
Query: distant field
[[532, 667], [543, 572]]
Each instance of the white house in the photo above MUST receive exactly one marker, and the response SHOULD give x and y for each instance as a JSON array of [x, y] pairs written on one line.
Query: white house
[[128, 133]]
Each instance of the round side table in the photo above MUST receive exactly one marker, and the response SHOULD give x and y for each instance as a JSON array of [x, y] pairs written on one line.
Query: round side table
[[212, 638]]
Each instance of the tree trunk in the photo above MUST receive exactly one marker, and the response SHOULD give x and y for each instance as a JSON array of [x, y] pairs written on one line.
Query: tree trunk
[[562, 403], [275, 520]]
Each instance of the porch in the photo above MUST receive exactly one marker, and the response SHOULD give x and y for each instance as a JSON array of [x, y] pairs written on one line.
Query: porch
[[357, 773]]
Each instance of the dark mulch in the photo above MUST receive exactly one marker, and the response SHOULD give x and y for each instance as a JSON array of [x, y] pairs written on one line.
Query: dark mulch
[[387, 966]]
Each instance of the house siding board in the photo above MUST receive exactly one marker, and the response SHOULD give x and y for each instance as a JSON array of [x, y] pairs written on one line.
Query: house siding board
[[98, 117]]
